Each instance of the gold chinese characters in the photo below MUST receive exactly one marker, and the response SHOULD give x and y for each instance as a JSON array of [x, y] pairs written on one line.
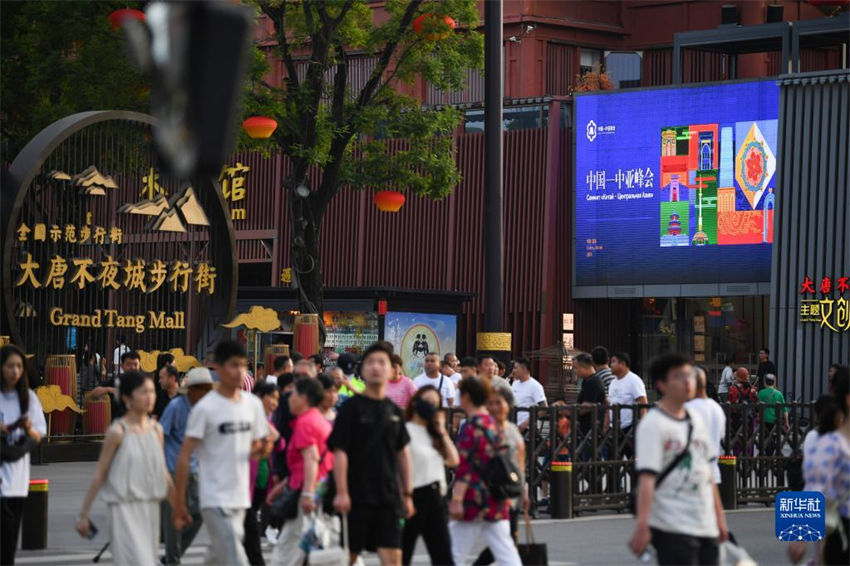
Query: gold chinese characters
[[70, 234], [135, 274]]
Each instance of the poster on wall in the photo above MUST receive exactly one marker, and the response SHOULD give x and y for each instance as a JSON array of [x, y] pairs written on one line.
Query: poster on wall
[[415, 335], [685, 175]]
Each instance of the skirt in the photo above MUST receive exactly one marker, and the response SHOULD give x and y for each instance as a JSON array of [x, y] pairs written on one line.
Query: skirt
[[134, 533]]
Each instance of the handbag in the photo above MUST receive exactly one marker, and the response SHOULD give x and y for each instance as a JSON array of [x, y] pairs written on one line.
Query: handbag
[[501, 475], [531, 553], [632, 496], [336, 556], [284, 507]]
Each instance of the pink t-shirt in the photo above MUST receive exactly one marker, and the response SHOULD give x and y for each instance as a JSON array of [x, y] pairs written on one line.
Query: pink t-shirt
[[401, 392], [308, 429]]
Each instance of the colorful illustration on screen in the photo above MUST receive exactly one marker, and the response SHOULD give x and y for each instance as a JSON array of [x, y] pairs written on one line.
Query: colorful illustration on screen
[[717, 184], [415, 335]]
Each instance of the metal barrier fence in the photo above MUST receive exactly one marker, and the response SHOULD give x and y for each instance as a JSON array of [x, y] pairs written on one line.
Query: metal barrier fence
[[602, 460]]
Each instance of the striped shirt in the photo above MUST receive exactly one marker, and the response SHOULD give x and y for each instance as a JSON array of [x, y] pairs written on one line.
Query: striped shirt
[[607, 376], [247, 382]]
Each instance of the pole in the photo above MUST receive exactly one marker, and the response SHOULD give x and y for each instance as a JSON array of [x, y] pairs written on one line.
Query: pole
[[494, 316]]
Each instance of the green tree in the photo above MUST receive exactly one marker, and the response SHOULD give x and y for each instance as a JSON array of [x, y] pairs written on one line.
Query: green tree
[[60, 58], [327, 121]]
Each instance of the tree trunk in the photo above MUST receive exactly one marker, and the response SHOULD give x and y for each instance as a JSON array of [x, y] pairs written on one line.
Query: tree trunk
[[306, 225]]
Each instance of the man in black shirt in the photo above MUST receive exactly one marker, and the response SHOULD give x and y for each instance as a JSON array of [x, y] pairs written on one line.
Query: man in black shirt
[[130, 361], [372, 467], [591, 399], [765, 366]]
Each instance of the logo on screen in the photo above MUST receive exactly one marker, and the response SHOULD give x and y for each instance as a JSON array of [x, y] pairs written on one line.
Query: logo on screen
[[591, 130], [800, 515]]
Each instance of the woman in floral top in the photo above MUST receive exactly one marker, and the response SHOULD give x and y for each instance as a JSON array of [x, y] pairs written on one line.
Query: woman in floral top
[[827, 469], [475, 512]]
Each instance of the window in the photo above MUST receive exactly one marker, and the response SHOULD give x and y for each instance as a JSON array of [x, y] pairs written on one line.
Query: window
[[624, 68], [514, 118], [589, 60]]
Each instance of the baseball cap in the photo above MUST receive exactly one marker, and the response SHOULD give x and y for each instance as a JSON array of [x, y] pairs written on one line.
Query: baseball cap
[[347, 363]]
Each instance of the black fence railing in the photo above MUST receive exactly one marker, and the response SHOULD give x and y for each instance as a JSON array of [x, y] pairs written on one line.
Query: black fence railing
[[601, 458]]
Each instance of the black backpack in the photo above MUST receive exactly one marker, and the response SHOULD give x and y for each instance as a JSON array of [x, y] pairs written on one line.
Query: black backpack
[[501, 474]]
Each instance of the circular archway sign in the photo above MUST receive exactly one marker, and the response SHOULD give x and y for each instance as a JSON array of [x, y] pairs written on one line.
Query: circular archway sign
[[99, 244]]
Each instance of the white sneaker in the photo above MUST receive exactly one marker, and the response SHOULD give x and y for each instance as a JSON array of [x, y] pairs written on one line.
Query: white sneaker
[[271, 535]]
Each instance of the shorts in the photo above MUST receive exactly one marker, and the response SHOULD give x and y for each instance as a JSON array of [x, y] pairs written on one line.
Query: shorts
[[373, 527]]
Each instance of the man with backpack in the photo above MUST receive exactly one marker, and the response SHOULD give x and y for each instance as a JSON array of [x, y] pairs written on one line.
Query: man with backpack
[[678, 505]]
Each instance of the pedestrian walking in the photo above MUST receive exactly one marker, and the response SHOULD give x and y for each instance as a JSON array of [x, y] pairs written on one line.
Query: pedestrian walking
[[601, 360], [330, 398], [174, 419], [678, 503], [168, 377], [344, 374], [434, 377], [21, 427], [527, 392], [475, 510], [773, 402], [228, 428], [432, 450], [372, 468], [591, 399], [766, 366], [827, 469], [400, 388], [499, 406], [132, 474], [711, 413], [743, 415], [130, 361], [727, 378], [627, 389], [121, 348], [261, 481], [309, 462]]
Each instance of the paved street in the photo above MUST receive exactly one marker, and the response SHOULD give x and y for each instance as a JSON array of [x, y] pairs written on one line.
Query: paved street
[[597, 540]]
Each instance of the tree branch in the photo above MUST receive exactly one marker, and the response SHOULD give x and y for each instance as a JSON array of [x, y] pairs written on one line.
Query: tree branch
[[277, 16], [371, 85]]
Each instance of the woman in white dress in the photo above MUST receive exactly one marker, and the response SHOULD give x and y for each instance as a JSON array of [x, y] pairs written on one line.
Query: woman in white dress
[[132, 472]]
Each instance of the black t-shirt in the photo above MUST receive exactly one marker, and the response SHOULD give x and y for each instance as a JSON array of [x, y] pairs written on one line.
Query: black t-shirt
[[162, 401], [282, 419], [371, 433], [592, 391], [118, 408], [764, 369]]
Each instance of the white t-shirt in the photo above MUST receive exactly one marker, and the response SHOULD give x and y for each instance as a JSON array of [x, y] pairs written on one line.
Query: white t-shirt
[[528, 393], [726, 379], [684, 502], [625, 391], [456, 377], [226, 429], [715, 421], [447, 389], [810, 440], [16, 475], [427, 462], [116, 358]]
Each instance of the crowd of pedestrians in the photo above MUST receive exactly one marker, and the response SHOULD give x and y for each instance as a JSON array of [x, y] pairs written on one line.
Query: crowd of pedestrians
[[308, 448]]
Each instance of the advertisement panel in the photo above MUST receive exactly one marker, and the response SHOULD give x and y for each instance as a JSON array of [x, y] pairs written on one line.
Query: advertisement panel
[[415, 335], [676, 186]]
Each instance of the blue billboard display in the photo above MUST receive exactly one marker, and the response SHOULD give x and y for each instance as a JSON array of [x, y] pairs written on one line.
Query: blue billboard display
[[675, 186]]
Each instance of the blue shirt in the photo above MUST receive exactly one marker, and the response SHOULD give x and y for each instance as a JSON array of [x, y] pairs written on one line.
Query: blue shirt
[[173, 422]]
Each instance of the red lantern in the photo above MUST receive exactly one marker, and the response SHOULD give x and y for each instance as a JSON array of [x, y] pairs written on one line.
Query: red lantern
[[117, 18], [259, 127], [431, 23], [389, 201]]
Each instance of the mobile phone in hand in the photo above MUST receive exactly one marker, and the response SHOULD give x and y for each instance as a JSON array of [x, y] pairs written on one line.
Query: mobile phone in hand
[[92, 531]]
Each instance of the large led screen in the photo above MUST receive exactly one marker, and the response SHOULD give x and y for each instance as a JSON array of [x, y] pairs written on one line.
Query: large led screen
[[676, 186]]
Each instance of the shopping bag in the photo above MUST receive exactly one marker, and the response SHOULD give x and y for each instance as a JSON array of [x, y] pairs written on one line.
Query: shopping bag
[[334, 556], [531, 553], [731, 554]]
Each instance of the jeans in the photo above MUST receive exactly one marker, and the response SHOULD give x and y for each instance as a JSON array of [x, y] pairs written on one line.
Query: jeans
[[678, 549], [430, 521], [496, 533], [252, 529], [225, 527], [176, 543]]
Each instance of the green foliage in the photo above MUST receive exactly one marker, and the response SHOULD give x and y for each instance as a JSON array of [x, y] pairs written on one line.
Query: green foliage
[[366, 132], [60, 58]]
